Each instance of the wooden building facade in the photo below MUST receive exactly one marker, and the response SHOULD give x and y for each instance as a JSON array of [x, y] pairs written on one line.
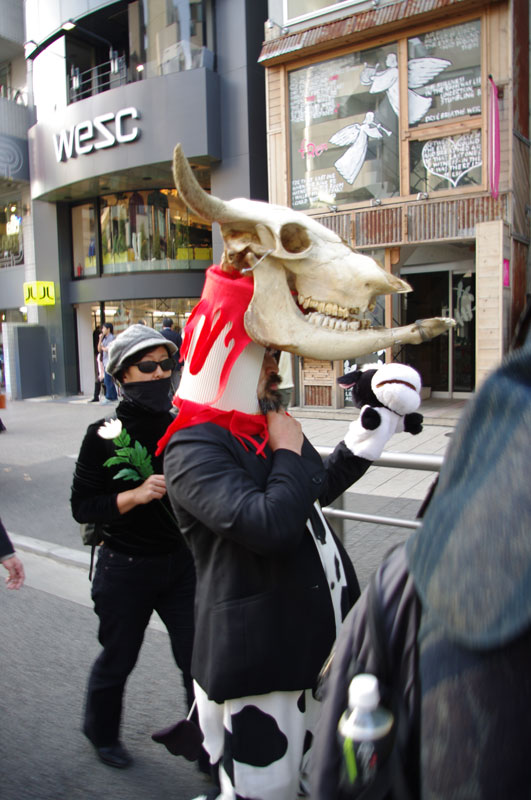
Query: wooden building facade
[[404, 127]]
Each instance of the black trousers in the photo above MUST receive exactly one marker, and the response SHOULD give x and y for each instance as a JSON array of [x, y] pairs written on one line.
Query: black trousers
[[126, 590]]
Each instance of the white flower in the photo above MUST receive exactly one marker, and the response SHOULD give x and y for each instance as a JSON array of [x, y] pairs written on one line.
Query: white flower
[[110, 429]]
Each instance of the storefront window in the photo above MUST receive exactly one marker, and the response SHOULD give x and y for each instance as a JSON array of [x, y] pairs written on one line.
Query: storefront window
[[151, 230], [452, 162], [348, 133], [139, 231], [11, 241], [344, 135], [167, 37], [149, 311], [444, 74], [84, 240]]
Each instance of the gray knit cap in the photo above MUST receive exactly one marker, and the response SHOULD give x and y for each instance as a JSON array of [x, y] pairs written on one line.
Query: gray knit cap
[[134, 339]]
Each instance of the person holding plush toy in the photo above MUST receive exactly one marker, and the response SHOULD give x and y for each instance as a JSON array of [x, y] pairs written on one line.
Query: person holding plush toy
[[388, 397]]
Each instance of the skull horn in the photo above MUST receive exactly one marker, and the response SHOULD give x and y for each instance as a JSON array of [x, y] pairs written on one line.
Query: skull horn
[[206, 206]]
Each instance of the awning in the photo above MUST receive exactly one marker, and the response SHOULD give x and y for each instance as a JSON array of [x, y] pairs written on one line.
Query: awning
[[387, 17]]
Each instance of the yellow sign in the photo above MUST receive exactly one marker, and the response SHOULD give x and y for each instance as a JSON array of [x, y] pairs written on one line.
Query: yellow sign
[[39, 293]]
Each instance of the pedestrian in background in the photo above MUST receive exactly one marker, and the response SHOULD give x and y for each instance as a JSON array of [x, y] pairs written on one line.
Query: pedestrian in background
[[98, 379], [173, 336], [10, 561], [2, 405], [143, 563], [106, 338]]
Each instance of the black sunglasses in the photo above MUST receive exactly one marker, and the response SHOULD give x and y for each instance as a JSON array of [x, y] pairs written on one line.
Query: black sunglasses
[[151, 366]]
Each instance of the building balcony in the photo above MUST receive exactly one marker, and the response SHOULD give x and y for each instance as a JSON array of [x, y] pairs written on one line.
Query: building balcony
[[416, 221], [180, 57]]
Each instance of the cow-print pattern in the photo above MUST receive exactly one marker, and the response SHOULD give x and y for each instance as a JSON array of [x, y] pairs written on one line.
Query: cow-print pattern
[[331, 562], [256, 738], [266, 742], [271, 733]]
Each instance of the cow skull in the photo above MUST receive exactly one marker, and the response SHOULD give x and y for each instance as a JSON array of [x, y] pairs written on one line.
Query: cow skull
[[311, 289]]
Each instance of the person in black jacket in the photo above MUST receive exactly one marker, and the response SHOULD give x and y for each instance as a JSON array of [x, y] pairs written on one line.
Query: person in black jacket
[[10, 561], [143, 564], [173, 336], [273, 582]]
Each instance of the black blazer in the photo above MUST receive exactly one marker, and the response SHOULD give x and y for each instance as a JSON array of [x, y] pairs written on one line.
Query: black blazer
[[264, 616]]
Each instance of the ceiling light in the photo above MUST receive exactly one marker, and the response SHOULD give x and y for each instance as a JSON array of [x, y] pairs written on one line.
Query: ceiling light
[[68, 25]]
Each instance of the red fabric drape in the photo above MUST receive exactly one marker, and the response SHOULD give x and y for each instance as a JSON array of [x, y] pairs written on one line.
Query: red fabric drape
[[245, 427]]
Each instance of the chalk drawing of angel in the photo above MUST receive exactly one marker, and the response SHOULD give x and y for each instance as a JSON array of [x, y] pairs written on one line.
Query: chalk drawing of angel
[[420, 71], [357, 136]]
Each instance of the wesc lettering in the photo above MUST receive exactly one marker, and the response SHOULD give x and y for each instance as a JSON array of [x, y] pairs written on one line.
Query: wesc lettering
[[104, 131]]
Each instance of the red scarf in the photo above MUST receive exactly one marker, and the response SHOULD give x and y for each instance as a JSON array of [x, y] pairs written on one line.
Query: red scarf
[[245, 427]]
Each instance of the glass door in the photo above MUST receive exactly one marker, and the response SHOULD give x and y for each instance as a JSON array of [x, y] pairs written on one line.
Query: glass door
[[446, 363], [463, 336]]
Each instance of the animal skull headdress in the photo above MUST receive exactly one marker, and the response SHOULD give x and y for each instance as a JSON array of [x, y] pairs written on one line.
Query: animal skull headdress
[[302, 289]]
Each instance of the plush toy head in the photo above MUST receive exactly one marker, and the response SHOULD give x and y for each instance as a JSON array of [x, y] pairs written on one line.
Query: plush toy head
[[395, 386]]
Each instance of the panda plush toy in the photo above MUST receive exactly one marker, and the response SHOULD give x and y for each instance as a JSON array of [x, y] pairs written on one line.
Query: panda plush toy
[[388, 398]]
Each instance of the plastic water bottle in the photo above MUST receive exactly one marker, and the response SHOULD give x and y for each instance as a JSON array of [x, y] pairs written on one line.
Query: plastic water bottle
[[365, 734]]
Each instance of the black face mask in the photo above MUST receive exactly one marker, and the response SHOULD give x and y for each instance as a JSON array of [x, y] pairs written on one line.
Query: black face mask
[[151, 396]]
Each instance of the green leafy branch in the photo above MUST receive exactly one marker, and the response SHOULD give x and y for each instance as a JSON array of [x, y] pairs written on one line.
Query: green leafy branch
[[137, 456]]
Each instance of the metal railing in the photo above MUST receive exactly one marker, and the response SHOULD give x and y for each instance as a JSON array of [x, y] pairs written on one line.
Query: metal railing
[[114, 72], [100, 78], [336, 513]]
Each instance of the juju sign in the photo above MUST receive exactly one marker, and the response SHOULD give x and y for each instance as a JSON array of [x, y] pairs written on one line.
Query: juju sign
[[39, 293]]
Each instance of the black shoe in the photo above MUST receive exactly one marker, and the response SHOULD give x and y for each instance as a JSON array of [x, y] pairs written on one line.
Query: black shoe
[[114, 756]]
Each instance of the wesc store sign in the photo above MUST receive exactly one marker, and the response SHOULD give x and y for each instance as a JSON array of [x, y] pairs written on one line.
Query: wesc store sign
[[106, 130]]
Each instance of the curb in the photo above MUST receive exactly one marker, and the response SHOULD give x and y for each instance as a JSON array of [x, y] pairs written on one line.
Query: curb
[[66, 555]]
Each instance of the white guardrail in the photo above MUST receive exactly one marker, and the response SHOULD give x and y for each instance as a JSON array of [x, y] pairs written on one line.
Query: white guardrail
[[335, 512]]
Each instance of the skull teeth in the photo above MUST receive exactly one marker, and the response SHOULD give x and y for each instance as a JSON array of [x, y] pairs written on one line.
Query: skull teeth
[[324, 321], [331, 315], [330, 309]]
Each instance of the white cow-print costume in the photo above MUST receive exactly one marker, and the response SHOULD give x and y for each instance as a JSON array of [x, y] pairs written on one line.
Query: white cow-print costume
[[262, 743]]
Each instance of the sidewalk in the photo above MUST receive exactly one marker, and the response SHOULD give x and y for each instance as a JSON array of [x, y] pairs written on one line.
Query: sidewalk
[[39, 448], [49, 630]]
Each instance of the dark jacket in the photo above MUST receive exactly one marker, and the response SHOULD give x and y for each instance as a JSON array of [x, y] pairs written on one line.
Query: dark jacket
[[471, 563], [175, 337], [6, 548], [392, 658], [264, 617], [148, 529]]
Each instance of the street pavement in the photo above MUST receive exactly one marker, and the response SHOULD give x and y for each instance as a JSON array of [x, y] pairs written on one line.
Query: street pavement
[[48, 628]]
